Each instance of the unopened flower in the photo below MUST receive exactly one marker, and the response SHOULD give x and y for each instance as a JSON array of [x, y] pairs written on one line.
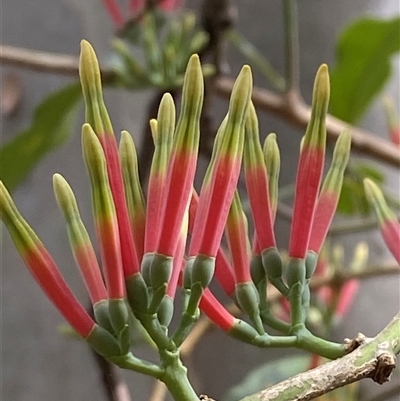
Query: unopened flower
[[222, 175], [257, 183], [388, 223], [309, 172], [80, 242], [183, 160], [98, 119], [392, 121], [330, 192]]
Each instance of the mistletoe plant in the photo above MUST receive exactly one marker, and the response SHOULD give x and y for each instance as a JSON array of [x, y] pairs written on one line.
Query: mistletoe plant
[[173, 238]]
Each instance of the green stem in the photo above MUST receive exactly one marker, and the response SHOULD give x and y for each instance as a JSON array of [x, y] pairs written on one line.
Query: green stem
[[291, 44], [272, 321], [296, 306], [267, 341], [307, 341], [156, 332], [185, 326], [175, 377], [130, 362]]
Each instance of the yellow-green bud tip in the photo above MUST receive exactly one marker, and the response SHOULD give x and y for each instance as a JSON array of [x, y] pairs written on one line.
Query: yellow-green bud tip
[[342, 148], [64, 195], [243, 85], [321, 91], [372, 190], [93, 152]]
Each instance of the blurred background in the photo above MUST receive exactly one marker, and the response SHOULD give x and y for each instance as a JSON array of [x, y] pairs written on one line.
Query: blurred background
[[39, 363]]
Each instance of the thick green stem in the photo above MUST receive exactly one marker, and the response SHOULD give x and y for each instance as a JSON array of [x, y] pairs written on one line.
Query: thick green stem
[[307, 341], [156, 332], [175, 377], [272, 321], [130, 362]]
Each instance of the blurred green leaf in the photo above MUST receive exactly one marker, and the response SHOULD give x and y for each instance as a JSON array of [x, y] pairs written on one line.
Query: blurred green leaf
[[363, 65], [51, 126], [267, 375], [352, 199]]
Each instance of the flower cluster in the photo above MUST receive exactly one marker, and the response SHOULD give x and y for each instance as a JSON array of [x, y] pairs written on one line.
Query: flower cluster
[[150, 245]]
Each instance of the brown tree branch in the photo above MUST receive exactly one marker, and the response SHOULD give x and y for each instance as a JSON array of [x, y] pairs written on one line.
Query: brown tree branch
[[292, 108], [288, 106], [376, 359]]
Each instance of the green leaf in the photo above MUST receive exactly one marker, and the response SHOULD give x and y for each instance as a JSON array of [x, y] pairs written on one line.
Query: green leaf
[[267, 375], [51, 126], [363, 65]]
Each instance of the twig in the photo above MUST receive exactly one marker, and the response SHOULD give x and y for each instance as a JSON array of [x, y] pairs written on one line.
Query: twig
[[291, 108], [375, 359]]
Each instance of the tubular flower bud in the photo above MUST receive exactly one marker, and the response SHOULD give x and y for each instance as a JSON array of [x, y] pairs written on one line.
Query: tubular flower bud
[[104, 213], [223, 269], [222, 174], [133, 191], [81, 246], [257, 183], [330, 192], [388, 223], [42, 266], [350, 288], [392, 121], [272, 160], [309, 172], [181, 169], [163, 131], [224, 273], [215, 311], [178, 261], [97, 117], [347, 294], [236, 233]]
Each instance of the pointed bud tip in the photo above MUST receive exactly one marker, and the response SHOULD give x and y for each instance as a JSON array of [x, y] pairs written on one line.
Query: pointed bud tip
[[87, 54], [194, 60], [270, 144], [85, 46], [58, 180], [87, 134], [342, 148], [321, 90], [322, 75], [64, 195], [194, 67], [245, 77], [92, 150], [371, 189], [125, 135], [4, 196]]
